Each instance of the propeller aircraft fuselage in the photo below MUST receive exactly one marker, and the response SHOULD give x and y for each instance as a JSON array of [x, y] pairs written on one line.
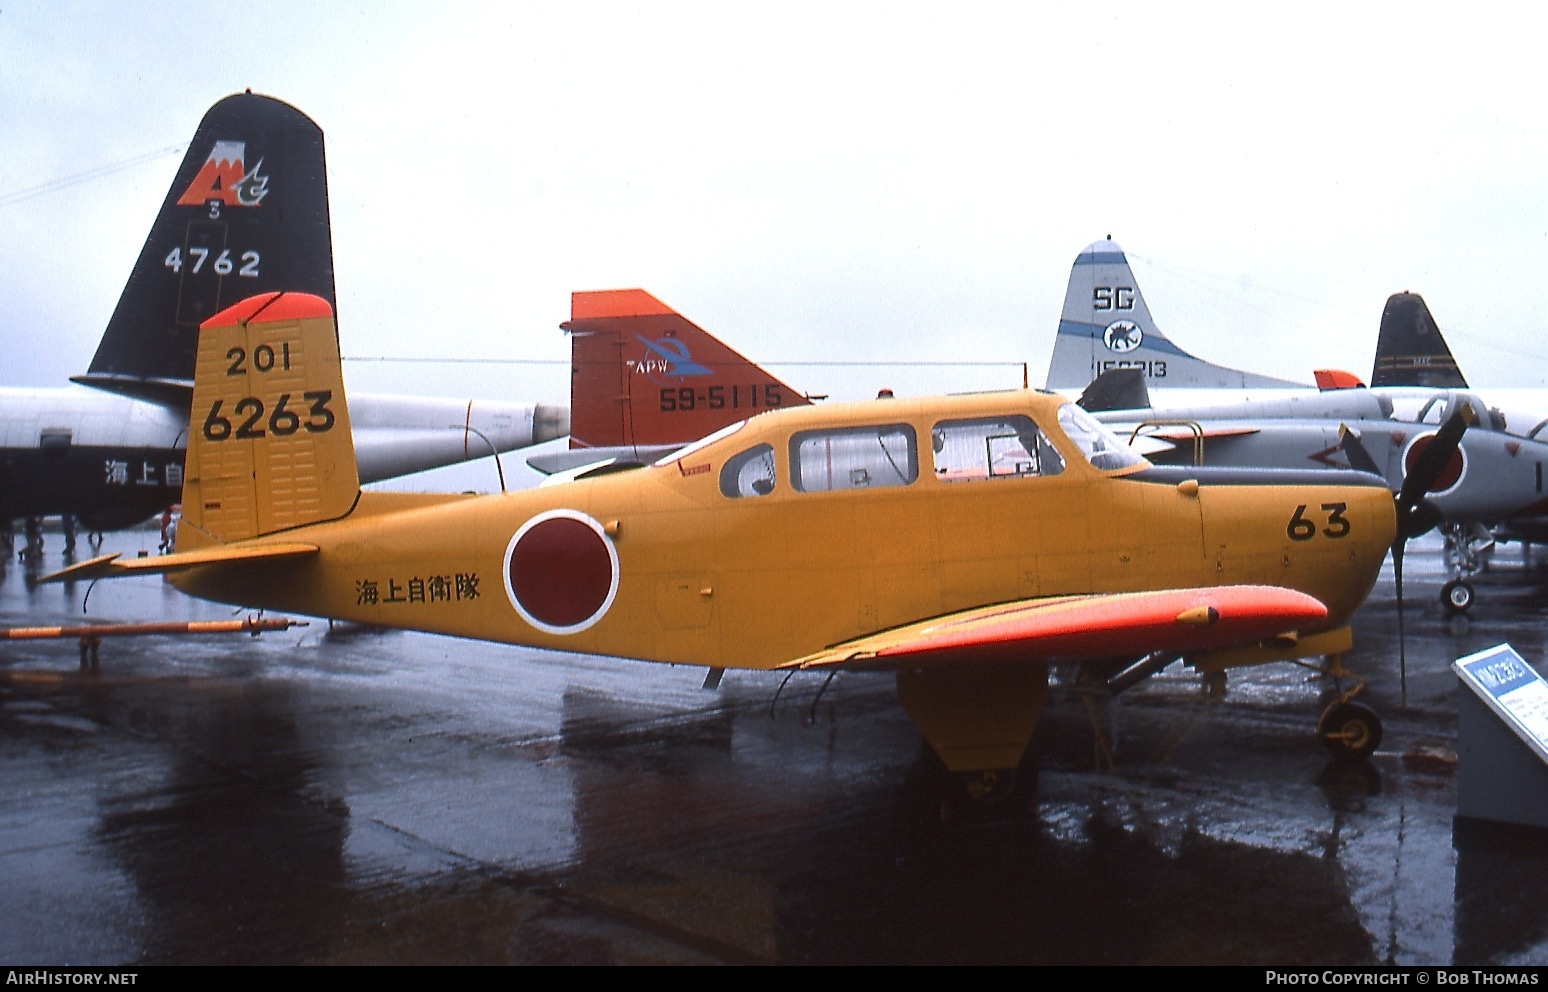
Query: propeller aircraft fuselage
[[964, 542]]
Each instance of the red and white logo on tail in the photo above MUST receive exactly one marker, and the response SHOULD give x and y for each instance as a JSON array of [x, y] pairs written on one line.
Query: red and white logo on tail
[[224, 177]]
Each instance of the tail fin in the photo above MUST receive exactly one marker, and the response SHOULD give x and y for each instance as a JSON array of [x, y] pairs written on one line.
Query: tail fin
[[269, 443], [641, 374], [1410, 350], [1106, 325], [247, 214]]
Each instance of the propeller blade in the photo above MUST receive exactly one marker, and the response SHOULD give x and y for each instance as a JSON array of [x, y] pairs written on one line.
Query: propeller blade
[[1397, 577], [1358, 457], [1415, 516]]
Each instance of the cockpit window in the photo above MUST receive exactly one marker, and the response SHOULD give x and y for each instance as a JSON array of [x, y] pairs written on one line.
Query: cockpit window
[[1101, 448], [992, 448], [1433, 412], [853, 458], [750, 473]]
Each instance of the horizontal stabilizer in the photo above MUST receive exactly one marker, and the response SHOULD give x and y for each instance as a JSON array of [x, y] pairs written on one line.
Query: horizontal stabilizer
[[1184, 434], [1080, 627], [116, 566], [556, 462]]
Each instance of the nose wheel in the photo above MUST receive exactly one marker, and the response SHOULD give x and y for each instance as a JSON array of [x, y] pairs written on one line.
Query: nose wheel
[[1457, 597], [1350, 730]]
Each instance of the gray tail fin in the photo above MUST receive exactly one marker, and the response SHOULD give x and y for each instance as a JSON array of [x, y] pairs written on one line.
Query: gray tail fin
[[247, 213], [1106, 325], [1410, 350]]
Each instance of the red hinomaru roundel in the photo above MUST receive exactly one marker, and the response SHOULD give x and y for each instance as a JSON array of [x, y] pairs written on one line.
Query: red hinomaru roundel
[[561, 571]]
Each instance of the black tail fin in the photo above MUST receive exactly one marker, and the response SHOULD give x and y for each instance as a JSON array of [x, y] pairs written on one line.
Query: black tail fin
[[1410, 350], [247, 214], [1116, 389]]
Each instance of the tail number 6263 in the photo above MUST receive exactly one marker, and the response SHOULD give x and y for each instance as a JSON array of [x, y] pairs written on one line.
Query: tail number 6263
[[282, 421]]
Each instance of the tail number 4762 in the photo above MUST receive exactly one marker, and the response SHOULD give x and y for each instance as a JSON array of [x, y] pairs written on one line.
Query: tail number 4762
[[1302, 529], [281, 421]]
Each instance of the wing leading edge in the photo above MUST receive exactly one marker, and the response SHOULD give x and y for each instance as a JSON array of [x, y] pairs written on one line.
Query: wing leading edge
[[1077, 627]]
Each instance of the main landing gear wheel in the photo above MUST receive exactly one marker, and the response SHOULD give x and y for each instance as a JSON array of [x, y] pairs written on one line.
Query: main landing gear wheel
[[1350, 730], [1005, 794], [1456, 597]]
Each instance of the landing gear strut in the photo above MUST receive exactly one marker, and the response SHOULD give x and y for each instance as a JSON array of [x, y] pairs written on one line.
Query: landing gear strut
[[32, 551], [1346, 728], [1465, 546]]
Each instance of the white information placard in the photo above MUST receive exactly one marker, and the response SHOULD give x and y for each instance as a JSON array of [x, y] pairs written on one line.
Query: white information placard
[[1512, 689]]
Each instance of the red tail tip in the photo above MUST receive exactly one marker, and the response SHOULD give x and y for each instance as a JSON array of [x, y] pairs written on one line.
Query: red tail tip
[[269, 308], [592, 304]]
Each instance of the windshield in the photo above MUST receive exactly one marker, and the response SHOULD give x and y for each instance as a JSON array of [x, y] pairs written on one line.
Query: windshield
[[1101, 448], [703, 442]]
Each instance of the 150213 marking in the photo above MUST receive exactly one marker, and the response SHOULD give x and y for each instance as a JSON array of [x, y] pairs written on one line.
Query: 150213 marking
[[282, 421]]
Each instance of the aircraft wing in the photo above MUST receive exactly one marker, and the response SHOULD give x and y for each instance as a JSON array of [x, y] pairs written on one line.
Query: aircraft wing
[[113, 565], [1078, 627]]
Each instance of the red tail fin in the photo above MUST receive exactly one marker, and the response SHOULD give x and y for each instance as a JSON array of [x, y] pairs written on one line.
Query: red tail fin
[[643, 374]]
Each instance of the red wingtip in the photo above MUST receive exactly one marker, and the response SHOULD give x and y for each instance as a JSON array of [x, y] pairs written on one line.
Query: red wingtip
[[1328, 379], [592, 304], [270, 307]]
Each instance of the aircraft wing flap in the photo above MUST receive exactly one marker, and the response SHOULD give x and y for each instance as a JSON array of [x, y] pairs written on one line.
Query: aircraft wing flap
[[1077, 627], [114, 565]]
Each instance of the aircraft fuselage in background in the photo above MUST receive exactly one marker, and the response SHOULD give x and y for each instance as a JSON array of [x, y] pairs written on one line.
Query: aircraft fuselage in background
[[247, 211], [112, 461]]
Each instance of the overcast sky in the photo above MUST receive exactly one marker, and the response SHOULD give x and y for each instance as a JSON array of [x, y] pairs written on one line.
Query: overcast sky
[[834, 181]]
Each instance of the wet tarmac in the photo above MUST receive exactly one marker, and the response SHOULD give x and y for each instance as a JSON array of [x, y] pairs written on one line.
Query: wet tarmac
[[357, 796]]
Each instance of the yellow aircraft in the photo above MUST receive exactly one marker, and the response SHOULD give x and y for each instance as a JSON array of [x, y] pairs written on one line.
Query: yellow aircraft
[[966, 543]]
